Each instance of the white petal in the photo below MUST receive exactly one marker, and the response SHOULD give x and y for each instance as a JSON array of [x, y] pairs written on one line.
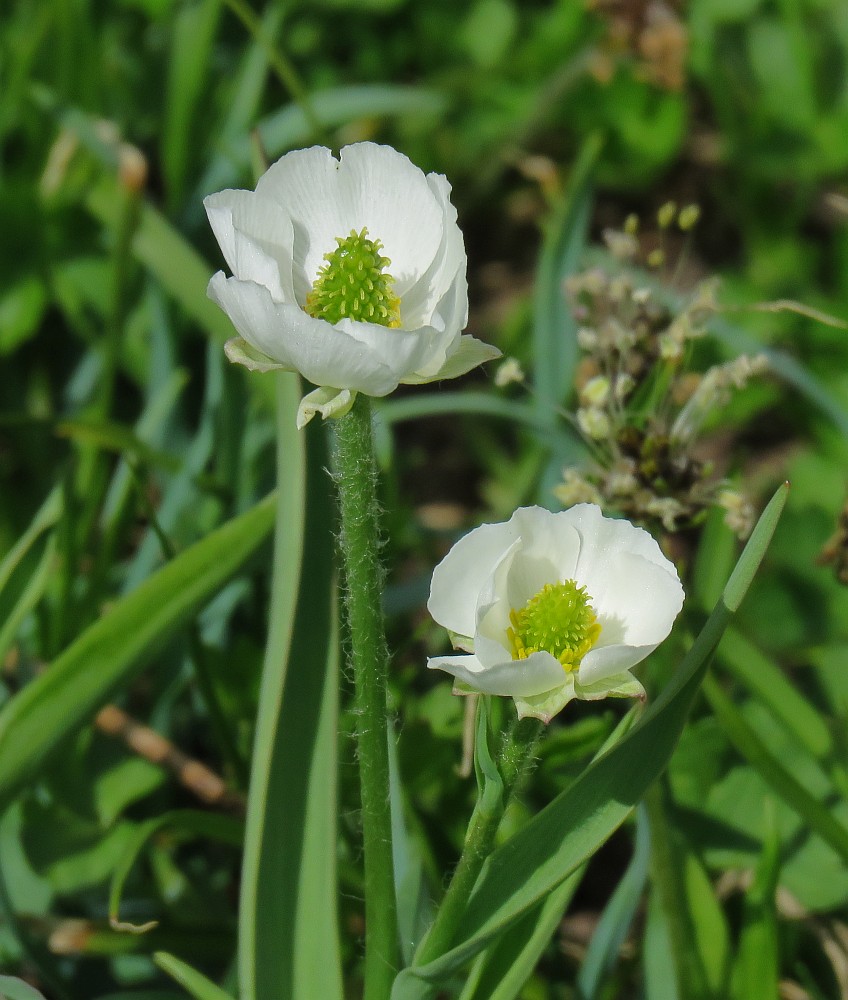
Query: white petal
[[549, 551], [606, 661], [256, 238], [349, 355], [468, 353], [240, 352], [373, 186], [602, 537], [538, 673], [460, 577], [326, 401], [442, 290], [623, 685], [636, 601]]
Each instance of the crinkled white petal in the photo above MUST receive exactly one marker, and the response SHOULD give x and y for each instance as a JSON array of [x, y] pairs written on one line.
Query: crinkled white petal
[[330, 403], [439, 296], [623, 685], [636, 601], [372, 186], [256, 238], [460, 577], [605, 661], [240, 352], [467, 353], [349, 355], [538, 673]]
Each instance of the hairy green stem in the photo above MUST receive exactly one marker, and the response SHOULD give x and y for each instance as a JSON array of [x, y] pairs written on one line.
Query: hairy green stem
[[516, 756], [356, 479]]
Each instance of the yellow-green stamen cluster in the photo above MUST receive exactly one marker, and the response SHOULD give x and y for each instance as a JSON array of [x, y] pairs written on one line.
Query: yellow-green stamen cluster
[[353, 285], [560, 620]]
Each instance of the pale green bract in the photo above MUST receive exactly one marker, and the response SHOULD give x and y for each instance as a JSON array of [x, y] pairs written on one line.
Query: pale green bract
[[282, 243], [551, 607]]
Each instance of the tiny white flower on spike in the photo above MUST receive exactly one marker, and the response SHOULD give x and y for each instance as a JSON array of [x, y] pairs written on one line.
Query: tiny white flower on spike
[[350, 271], [551, 607]]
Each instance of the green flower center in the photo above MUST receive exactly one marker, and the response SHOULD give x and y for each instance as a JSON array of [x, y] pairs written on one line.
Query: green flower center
[[560, 620], [353, 285]]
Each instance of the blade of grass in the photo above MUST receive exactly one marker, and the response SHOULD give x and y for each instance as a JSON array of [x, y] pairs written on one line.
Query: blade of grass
[[288, 937], [192, 981]]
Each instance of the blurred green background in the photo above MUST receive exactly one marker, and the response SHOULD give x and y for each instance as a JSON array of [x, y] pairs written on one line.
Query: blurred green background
[[119, 414]]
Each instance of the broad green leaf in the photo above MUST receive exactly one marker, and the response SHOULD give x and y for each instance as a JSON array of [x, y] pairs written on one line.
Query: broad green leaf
[[116, 647], [553, 844], [193, 822], [288, 938], [194, 982]]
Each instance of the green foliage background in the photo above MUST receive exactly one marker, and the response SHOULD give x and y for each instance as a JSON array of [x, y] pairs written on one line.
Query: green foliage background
[[134, 463]]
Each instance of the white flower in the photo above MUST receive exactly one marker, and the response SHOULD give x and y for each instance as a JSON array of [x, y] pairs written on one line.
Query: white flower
[[550, 607], [349, 271]]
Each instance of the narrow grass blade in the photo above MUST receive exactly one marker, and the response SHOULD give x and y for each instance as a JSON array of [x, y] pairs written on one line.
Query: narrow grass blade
[[504, 968], [767, 681], [554, 341], [192, 981], [288, 937], [553, 844], [603, 951], [112, 650], [29, 598], [214, 826], [48, 514]]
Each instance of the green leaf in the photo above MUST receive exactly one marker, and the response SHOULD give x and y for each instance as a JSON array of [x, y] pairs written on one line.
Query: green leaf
[[116, 647], [193, 822], [552, 845], [288, 938], [190, 979]]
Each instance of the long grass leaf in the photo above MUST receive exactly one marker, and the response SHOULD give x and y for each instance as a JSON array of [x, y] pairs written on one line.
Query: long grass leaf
[[288, 938]]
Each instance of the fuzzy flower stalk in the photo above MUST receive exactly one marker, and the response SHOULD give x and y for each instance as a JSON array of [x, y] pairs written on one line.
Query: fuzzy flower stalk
[[549, 607], [350, 271]]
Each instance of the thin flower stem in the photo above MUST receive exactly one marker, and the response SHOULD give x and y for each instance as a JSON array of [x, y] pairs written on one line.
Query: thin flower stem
[[356, 479], [516, 757]]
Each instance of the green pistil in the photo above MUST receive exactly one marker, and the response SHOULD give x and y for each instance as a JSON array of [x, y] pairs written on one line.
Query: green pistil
[[353, 285], [560, 620]]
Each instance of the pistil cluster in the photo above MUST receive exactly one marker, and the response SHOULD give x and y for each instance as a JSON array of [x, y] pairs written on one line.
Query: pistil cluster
[[560, 620], [353, 284]]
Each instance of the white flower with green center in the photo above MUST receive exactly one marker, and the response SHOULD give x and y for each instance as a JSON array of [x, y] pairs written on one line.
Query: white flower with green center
[[551, 607], [350, 271]]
